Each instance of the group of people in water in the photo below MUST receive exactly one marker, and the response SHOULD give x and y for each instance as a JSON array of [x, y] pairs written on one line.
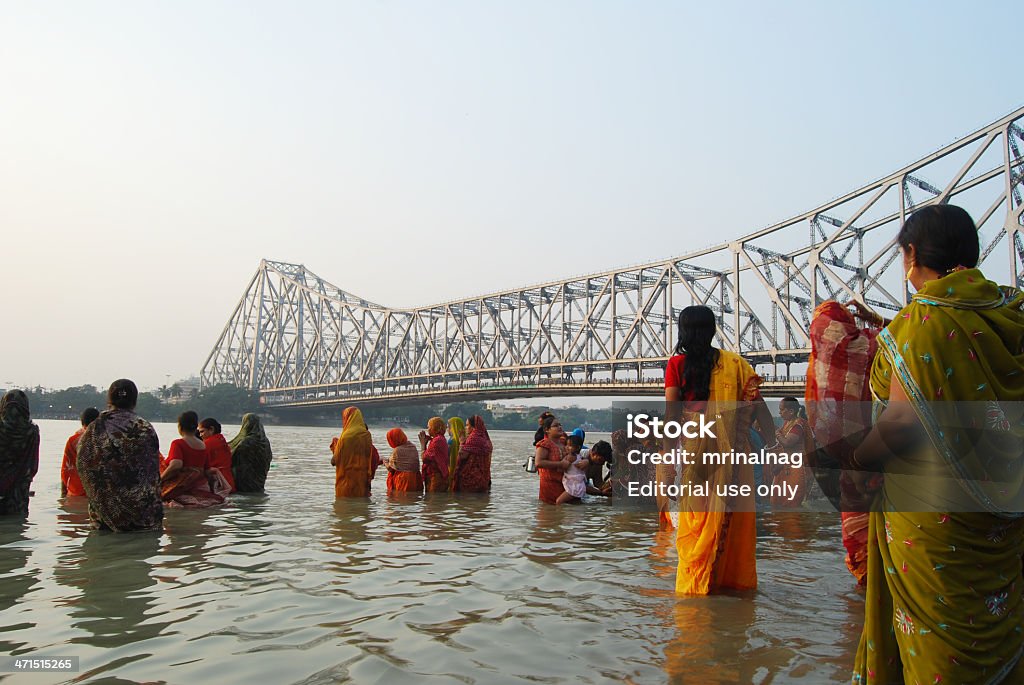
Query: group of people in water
[[934, 393], [114, 460], [915, 428], [459, 463]]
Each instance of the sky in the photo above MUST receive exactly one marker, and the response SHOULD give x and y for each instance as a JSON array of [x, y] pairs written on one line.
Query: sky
[[152, 153]]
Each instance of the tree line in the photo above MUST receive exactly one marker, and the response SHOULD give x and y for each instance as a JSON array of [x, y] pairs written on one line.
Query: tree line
[[227, 404]]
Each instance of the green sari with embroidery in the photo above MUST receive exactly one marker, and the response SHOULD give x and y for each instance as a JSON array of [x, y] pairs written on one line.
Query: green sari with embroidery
[[943, 602]]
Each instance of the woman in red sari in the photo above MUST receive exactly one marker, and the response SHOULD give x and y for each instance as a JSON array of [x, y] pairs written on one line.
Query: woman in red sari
[[550, 462], [217, 448], [403, 465], [473, 471], [435, 456], [185, 480]]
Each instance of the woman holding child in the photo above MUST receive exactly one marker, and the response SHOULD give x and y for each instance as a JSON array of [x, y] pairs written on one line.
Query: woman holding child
[[551, 461]]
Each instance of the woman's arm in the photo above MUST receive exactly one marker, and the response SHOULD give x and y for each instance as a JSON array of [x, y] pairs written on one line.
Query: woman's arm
[[897, 430], [673, 412], [173, 466], [542, 462]]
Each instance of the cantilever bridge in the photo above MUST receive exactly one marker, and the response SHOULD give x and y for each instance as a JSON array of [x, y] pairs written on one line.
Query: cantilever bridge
[[300, 341]]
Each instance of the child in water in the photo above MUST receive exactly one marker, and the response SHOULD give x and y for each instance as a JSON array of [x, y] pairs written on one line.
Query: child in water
[[575, 479]]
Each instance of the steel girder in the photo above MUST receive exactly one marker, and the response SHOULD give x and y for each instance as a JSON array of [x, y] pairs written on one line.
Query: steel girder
[[298, 339]]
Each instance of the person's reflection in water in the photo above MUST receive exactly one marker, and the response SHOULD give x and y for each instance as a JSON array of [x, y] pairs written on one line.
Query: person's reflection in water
[[352, 514], [114, 576], [17, 581], [711, 646], [185, 552]]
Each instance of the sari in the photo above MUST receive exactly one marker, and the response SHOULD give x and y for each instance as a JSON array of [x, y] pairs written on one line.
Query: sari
[[435, 458], [250, 455], [715, 537], [19, 453], [943, 600], [457, 431], [838, 406], [473, 471], [404, 464], [794, 476], [353, 456], [220, 458], [119, 464], [550, 479], [190, 488], [68, 475]]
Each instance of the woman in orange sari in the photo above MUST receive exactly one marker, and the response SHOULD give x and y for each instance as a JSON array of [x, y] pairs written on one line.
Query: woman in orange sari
[[716, 536], [435, 456], [473, 471], [403, 465], [353, 452]]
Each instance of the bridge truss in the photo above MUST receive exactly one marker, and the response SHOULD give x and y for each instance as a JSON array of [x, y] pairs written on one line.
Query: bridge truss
[[300, 341]]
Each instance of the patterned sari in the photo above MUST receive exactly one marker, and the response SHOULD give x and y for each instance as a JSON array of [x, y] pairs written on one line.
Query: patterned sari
[[944, 585], [435, 464], [353, 456], [19, 453], [119, 464], [190, 488], [473, 472], [250, 455], [838, 405], [716, 537]]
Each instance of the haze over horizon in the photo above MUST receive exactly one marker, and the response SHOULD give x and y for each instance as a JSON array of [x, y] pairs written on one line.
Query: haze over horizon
[[153, 154]]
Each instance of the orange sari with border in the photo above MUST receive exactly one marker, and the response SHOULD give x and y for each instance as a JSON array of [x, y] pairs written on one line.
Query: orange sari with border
[[716, 538]]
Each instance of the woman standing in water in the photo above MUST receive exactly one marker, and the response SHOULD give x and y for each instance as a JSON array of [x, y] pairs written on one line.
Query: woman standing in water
[[250, 455], [473, 471], [435, 456], [19, 453], [551, 461], [352, 456], [403, 465], [119, 464], [945, 539], [715, 537], [456, 433]]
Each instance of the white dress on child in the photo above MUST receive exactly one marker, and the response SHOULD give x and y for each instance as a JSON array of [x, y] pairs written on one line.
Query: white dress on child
[[575, 479]]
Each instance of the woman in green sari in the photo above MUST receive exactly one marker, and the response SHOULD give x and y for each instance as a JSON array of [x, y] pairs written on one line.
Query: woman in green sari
[[250, 455], [944, 583]]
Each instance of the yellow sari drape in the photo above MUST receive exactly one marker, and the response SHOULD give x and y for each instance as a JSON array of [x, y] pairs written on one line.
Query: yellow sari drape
[[716, 536], [353, 456], [943, 601], [457, 433]]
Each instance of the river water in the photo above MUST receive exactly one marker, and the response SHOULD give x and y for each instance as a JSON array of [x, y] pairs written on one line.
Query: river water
[[294, 587]]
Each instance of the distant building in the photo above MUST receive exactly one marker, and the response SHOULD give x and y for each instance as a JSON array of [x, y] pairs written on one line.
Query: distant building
[[500, 411]]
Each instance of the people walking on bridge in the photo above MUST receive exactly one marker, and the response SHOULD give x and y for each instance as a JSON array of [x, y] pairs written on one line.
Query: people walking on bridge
[[119, 464], [435, 456], [19, 453], [551, 461], [352, 456], [403, 465], [251, 455], [456, 433], [473, 470], [716, 536], [944, 583]]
